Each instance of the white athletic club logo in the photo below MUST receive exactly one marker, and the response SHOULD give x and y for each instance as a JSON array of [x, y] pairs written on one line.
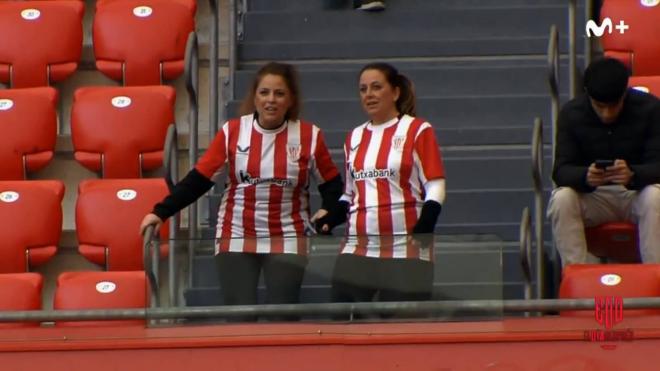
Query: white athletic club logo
[[9, 196], [6, 104], [293, 152], [610, 279], [398, 142], [642, 89], [106, 287]]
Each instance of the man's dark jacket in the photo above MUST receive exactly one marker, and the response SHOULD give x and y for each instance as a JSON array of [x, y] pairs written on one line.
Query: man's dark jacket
[[583, 138]]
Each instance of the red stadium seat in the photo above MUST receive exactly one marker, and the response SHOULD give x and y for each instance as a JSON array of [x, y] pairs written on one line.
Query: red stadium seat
[[623, 280], [30, 223], [120, 131], [108, 216], [20, 291], [28, 122], [647, 84], [616, 240], [41, 41], [101, 290], [142, 42], [636, 47]]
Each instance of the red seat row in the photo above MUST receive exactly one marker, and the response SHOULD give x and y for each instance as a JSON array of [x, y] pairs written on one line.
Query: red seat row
[[136, 42], [108, 215], [118, 132]]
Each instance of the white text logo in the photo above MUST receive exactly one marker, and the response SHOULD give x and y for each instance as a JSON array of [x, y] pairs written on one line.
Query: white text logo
[[599, 30]]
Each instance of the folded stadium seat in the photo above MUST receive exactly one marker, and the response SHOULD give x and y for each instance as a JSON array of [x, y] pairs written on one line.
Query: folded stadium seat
[[120, 131], [619, 280], [28, 122], [142, 42], [101, 290], [108, 216], [614, 240], [635, 47], [20, 291], [30, 223], [41, 41]]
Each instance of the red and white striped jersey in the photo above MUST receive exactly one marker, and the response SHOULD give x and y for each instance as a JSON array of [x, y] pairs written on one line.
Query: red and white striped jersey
[[267, 193], [387, 166]]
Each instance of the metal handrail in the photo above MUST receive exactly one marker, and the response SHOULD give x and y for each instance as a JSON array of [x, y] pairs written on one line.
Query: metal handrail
[[327, 309], [233, 51], [572, 48], [192, 84], [171, 165], [588, 48], [553, 80], [525, 243], [213, 70], [151, 259], [537, 176]]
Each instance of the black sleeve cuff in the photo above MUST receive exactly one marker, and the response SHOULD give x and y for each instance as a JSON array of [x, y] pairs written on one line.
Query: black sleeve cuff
[[428, 217], [330, 192], [335, 216], [189, 189]]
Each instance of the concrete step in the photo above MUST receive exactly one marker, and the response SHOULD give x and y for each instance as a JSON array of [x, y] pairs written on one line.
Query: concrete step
[[448, 24], [459, 120], [421, 33], [431, 81], [393, 5]]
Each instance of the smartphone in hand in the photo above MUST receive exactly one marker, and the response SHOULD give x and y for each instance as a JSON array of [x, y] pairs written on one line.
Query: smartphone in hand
[[602, 164]]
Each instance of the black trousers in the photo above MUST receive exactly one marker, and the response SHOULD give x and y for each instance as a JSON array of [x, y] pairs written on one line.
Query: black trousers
[[239, 277], [363, 279]]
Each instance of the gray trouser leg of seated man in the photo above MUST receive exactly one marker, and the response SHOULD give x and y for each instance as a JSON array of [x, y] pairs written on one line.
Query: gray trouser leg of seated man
[[646, 211], [570, 212]]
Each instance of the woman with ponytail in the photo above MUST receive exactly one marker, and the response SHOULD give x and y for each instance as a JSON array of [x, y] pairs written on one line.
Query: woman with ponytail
[[394, 193]]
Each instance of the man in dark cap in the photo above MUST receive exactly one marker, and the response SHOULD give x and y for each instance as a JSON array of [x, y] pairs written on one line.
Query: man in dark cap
[[607, 163]]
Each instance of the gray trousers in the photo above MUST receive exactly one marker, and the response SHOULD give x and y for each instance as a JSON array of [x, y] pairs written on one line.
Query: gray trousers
[[570, 212]]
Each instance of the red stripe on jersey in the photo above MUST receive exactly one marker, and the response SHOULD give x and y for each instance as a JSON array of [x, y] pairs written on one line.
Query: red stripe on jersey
[[358, 165], [429, 155], [406, 170], [323, 160], [214, 157], [276, 191], [306, 133], [384, 197], [254, 171], [233, 129]]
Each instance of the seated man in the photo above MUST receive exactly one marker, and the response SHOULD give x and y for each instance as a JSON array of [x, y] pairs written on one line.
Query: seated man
[[607, 163]]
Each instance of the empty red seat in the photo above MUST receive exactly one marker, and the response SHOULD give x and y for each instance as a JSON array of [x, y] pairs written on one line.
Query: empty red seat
[[120, 131], [622, 280], [30, 223], [108, 216], [20, 291], [101, 290], [635, 47], [28, 122], [41, 41], [142, 42]]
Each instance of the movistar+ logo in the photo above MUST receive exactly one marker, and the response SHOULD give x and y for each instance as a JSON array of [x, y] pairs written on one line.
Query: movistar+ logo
[[599, 29]]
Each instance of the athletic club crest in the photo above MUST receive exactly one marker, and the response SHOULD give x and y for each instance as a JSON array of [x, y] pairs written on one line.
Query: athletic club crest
[[293, 152], [397, 143]]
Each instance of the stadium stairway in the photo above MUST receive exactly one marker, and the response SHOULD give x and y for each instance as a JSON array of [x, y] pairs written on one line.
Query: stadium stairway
[[480, 72]]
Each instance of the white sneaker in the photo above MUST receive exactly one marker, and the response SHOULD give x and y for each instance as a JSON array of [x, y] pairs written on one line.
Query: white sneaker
[[372, 6]]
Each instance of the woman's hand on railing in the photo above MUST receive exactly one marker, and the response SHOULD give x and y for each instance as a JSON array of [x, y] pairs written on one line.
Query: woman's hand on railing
[[151, 220]]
